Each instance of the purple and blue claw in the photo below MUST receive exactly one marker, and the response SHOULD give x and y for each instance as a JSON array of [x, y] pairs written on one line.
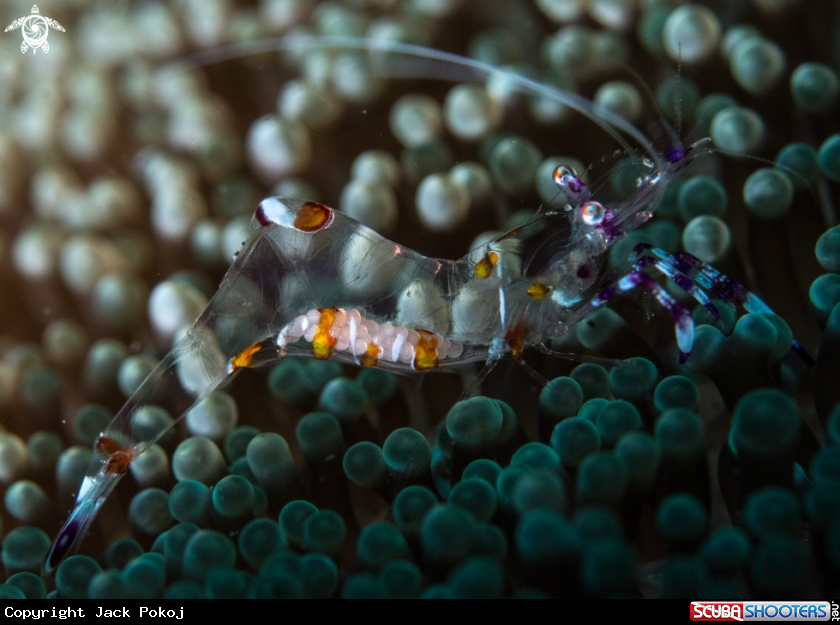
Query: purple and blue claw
[[641, 248], [676, 271], [683, 323], [687, 285], [683, 269], [685, 332]]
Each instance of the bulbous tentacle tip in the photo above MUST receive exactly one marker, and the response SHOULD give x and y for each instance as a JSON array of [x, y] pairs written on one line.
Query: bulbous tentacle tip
[[684, 356]]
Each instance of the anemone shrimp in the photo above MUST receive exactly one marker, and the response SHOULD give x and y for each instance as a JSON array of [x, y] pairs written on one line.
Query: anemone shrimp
[[311, 281]]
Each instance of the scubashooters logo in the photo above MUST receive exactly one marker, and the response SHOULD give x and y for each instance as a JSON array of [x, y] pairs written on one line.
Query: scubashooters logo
[[763, 611]]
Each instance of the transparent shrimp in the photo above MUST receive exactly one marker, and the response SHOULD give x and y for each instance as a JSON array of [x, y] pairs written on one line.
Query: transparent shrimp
[[311, 281]]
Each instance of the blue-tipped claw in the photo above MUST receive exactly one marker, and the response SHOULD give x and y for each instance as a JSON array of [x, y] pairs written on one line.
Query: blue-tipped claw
[[693, 276], [72, 533], [92, 494]]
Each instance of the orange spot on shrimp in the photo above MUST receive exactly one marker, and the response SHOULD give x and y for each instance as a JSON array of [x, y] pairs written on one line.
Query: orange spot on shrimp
[[324, 342], [118, 463], [107, 445], [245, 358], [538, 291], [484, 267], [515, 338], [313, 216], [371, 356], [119, 458], [425, 352]]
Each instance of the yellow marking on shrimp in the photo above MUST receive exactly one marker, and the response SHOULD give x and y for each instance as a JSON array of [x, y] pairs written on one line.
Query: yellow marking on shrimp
[[245, 358], [515, 338], [425, 352], [324, 342], [313, 216], [371, 356], [538, 290], [119, 457], [484, 268]]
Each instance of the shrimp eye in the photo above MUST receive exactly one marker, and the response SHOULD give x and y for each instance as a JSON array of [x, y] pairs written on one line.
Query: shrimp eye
[[562, 173], [592, 213]]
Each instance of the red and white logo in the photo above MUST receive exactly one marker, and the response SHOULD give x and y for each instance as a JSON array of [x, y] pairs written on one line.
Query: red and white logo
[[760, 611], [717, 611]]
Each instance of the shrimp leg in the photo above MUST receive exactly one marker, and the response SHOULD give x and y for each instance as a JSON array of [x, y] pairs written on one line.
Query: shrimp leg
[[684, 325], [670, 270], [688, 267]]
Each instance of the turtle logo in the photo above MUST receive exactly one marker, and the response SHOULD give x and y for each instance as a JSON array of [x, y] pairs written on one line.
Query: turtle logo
[[35, 30]]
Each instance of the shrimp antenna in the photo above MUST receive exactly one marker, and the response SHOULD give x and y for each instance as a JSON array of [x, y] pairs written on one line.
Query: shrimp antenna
[[766, 161], [690, 133], [676, 95], [445, 64], [579, 358], [675, 137], [820, 194], [758, 159]]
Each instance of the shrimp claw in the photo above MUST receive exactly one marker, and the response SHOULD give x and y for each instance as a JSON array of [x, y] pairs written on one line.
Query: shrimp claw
[[688, 272], [684, 325]]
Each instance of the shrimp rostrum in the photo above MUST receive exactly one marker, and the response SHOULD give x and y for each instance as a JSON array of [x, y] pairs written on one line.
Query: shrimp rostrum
[[311, 281]]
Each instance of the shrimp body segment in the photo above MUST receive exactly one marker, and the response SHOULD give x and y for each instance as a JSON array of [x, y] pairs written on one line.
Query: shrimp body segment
[[352, 295], [311, 281]]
